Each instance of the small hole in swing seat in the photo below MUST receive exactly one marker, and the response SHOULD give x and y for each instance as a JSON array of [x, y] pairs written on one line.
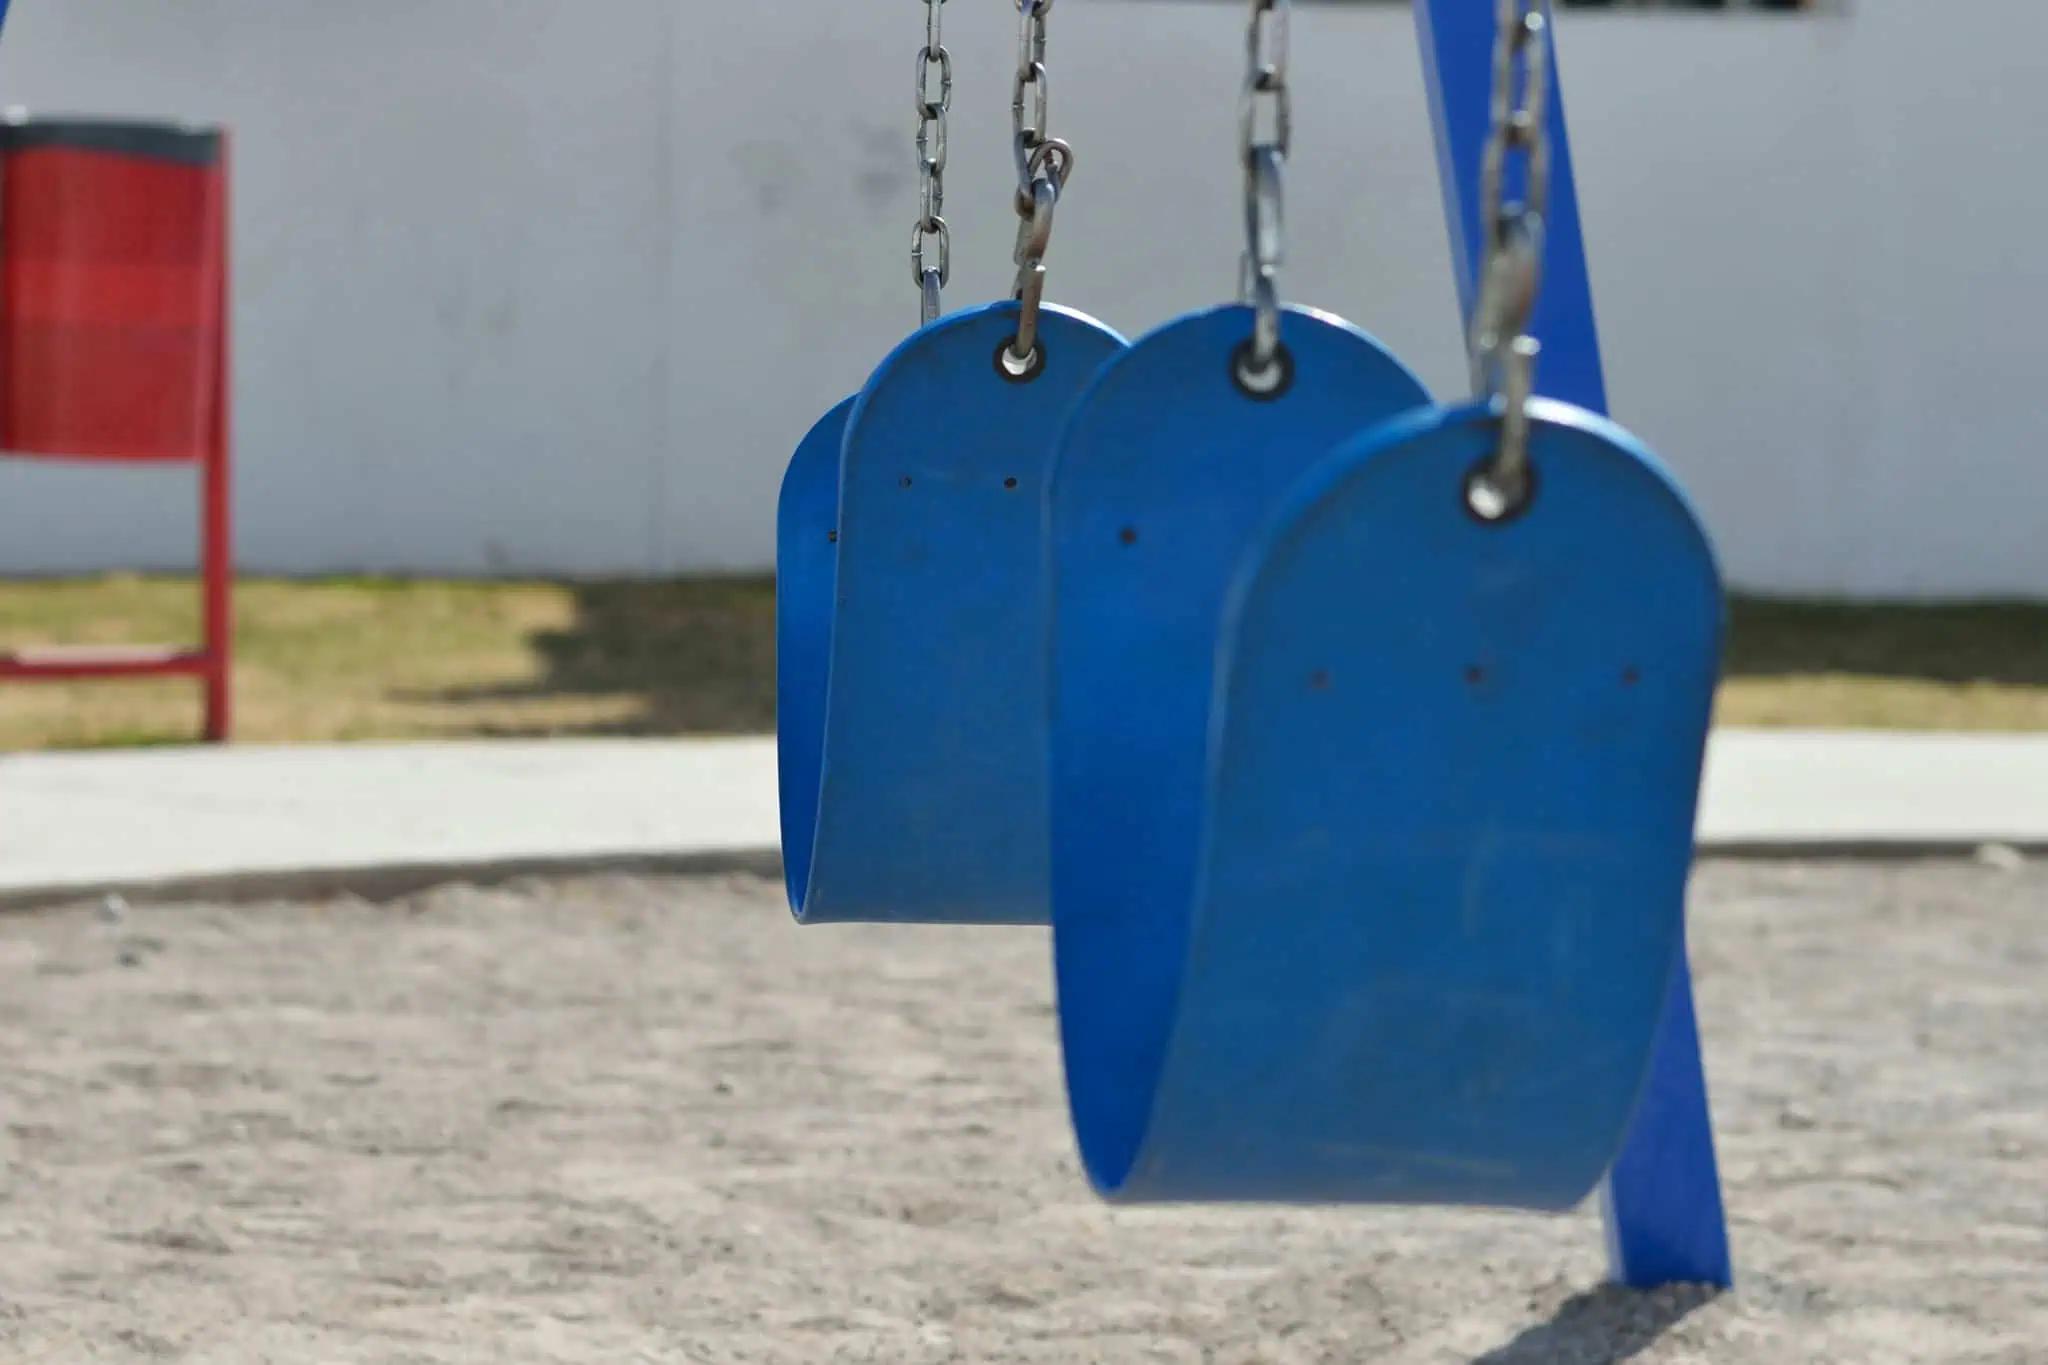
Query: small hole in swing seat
[[1129, 535], [1010, 482]]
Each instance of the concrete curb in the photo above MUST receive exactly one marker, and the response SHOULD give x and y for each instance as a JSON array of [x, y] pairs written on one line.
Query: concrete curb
[[385, 882], [392, 881], [1862, 850], [383, 821]]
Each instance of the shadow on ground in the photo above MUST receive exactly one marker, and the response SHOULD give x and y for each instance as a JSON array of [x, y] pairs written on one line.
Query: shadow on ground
[[1994, 642], [1609, 1324], [697, 656]]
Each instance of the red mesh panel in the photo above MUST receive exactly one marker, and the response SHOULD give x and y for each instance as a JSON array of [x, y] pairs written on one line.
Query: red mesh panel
[[111, 287]]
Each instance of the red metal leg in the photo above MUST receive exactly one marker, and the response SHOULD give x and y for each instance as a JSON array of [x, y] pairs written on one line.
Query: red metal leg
[[217, 579], [217, 557]]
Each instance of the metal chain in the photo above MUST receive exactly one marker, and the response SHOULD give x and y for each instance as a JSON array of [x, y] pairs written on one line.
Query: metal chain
[[1266, 133], [1503, 352], [1044, 165], [931, 243], [1030, 93]]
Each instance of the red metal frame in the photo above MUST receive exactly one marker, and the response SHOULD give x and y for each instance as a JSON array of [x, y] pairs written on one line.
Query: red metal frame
[[144, 295]]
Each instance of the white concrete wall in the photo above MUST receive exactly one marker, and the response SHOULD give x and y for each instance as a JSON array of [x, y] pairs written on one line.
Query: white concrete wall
[[537, 287]]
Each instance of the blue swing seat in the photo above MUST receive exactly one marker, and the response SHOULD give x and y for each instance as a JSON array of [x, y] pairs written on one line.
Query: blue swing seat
[[911, 677], [1164, 472], [1409, 939]]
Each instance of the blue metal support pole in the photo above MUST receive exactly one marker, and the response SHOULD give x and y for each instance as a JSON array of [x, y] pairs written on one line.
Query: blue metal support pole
[[1665, 1222]]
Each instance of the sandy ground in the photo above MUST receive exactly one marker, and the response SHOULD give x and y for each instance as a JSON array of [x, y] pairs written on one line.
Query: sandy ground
[[619, 1120]]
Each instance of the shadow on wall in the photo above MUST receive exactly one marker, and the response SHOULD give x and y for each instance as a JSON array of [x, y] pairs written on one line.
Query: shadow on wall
[[697, 656]]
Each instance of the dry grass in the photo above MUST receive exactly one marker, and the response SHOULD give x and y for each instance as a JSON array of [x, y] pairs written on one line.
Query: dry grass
[[1971, 666], [378, 659], [370, 658]]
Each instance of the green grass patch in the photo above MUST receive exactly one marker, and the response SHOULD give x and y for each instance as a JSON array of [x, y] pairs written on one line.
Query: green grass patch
[[369, 658]]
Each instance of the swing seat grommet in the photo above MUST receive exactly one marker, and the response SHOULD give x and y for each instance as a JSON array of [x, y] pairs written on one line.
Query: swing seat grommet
[[1487, 503], [1007, 366], [1280, 368]]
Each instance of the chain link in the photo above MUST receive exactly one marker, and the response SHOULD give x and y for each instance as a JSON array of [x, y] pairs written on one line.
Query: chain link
[[931, 242], [1044, 165], [1265, 135], [1031, 92], [1504, 353]]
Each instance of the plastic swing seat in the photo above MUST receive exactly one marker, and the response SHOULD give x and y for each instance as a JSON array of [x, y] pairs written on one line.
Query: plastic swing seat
[[1430, 911], [1164, 472], [912, 681]]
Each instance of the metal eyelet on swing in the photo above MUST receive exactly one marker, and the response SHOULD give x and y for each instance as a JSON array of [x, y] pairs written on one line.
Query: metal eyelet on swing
[[1019, 369], [1261, 384], [1491, 502]]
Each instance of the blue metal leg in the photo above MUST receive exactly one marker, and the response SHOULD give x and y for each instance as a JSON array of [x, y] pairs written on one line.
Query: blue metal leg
[[1662, 1200], [1665, 1222]]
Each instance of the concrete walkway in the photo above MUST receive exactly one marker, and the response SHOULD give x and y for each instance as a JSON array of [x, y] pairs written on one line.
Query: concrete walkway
[[383, 817]]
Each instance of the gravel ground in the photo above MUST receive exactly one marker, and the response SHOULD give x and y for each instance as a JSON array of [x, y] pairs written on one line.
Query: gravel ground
[[622, 1120]]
